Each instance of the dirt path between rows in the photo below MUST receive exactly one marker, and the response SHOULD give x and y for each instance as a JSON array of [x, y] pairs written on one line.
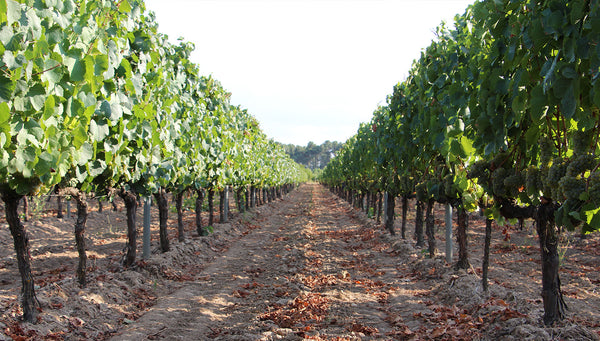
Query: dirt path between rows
[[301, 273]]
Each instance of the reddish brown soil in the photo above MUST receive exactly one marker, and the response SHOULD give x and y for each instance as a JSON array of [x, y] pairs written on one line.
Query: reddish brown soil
[[308, 266]]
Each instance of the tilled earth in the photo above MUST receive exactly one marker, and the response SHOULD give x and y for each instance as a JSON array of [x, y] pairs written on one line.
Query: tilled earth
[[308, 266]]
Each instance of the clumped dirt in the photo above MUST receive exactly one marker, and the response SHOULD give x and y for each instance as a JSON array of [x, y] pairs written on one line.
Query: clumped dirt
[[308, 266]]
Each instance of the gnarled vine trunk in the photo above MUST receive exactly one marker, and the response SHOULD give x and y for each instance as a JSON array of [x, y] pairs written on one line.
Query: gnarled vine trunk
[[404, 212], [211, 207], [419, 225], [25, 208], [130, 199], [252, 196], [379, 205], [59, 207], [461, 235], [389, 213], [247, 190], [163, 218], [225, 205], [199, 200], [179, 206], [221, 206], [486, 254], [239, 200], [82, 214], [554, 304], [429, 228], [29, 302]]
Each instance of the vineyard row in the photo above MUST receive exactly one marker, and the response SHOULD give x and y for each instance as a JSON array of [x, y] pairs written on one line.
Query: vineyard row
[[94, 101], [501, 113]]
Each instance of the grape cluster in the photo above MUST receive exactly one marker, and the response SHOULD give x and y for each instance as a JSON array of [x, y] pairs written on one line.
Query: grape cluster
[[498, 177], [572, 187], [556, 172], [533, 180], [594, 188], [581, 141], [581, 164], [501, 160], [546, 150], [478, 170], [513, 184]]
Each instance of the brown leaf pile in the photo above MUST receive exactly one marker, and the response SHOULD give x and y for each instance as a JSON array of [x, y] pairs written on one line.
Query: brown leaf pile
[[311, 308]]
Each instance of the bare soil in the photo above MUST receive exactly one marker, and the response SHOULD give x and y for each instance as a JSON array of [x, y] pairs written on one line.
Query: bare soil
[[308, 266]]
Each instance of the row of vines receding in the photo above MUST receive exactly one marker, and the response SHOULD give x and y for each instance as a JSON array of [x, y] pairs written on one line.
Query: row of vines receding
[[500, 113], [94, 101]]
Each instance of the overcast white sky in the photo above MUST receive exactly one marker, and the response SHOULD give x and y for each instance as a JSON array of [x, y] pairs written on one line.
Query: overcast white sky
[[308, 70]]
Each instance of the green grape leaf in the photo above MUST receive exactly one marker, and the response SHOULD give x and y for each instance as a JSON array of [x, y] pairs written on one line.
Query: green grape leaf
[[538, 102], [549, 74], [85, 153], [7, 87], [519, 104], [98, 130], [37, 96], [54, 35], [22, 157], [79, 135], [124, 6], [100, 64], [96, 167], [46, 162], [457, 149], [13, 62], [591, 214], [3, 10], [4, 113], [53, 72], [78, 71], [49, 107], [74, 107], [33, 130], [13, 11], [87, 98], [569, 102], [6, 32]]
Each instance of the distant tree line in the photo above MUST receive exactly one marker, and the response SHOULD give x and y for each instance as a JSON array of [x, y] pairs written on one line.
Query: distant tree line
[[313, 156]]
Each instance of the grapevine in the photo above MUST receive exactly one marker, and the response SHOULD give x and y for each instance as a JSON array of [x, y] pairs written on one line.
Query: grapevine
[[513, 184], [572, 187], [546, 150], [421, 192], [95, 99], [581, 164], [448, 184], [594, 188], [498, 185], [511, 76], [582, 141], [557, 170], [479, 170], [533, 181]]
